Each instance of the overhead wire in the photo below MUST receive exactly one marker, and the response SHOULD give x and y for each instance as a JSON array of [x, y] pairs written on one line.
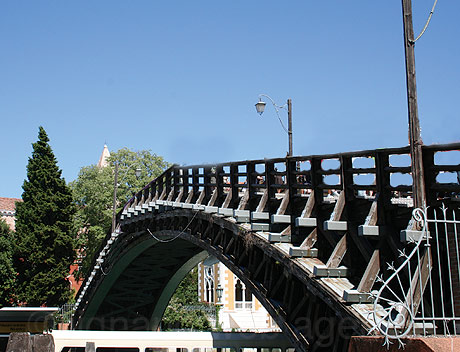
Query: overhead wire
[[427, 22], [175, 237]]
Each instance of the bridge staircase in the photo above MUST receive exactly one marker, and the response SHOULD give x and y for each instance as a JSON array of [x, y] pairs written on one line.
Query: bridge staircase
[[312, 236]]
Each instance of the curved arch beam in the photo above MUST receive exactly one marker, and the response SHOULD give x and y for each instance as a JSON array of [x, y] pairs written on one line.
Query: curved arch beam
[[171, 286], [294, 298], [110, 279]]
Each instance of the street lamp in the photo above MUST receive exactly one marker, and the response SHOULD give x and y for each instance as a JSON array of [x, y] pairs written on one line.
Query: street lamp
[[219, 291], [260, 107], [115, 188]]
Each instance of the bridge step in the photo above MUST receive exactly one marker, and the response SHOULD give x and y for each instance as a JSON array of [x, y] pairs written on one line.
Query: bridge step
[[305, 222], [368, 230], [258, 226], [260, 216], [332, 225], [198, 207], [153, 206], [225, 211], [355, 296], [413, 235], [210, 210], [281, 219], [277, 237], [303, 252], [242, 215], [324, 271]]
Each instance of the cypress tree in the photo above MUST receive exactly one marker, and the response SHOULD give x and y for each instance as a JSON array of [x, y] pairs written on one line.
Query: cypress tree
[[45, 247], [7, 273]]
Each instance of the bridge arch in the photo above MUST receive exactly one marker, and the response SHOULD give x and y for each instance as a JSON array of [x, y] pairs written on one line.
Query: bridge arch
[[302, 308]]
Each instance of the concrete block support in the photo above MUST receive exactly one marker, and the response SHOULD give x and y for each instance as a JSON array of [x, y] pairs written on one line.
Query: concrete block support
[[43, 343], [19, 342], [24, 342]]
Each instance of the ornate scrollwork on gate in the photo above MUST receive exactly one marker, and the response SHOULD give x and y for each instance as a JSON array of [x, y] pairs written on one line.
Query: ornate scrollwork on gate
[[398, 299]]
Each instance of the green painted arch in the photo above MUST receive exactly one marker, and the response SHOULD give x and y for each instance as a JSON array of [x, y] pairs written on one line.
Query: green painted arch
[[110, 279], [171, 286]]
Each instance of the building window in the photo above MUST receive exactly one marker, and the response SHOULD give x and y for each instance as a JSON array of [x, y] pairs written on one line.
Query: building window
[[243, 296], [209, 283]]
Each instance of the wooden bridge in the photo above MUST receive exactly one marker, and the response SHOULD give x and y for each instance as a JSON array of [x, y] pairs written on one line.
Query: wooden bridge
[[311, 237]]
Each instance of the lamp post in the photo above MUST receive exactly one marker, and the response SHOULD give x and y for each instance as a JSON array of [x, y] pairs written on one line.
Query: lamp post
[[260, 107], [115, 188]]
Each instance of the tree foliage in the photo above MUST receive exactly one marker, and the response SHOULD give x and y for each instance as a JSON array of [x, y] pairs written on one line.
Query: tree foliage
[[7, 272], [93, 195], [177, 316], [44, 242]]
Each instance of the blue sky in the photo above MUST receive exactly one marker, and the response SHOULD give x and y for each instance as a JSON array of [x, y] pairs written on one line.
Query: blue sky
[[181, 78]]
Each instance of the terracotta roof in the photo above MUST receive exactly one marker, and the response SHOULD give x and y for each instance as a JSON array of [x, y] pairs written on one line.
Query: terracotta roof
[[8, 204]]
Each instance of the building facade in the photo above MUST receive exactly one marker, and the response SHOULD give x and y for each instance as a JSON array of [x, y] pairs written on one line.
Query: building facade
[[8, 211], [239, 309]]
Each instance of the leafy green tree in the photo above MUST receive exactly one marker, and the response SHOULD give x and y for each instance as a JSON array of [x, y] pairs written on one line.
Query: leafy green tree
[[93, 195], [177, 314], [45, 247], [7, 272]]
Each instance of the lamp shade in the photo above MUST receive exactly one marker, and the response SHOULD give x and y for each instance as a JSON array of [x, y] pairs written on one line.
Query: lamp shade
[[138, 172], [219, 292], [260, 106]]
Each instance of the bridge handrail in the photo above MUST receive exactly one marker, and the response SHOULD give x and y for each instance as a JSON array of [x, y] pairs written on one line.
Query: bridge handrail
[[210, 176]]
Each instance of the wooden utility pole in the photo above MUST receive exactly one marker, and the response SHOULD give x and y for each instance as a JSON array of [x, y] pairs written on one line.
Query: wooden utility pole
[[415, 140]]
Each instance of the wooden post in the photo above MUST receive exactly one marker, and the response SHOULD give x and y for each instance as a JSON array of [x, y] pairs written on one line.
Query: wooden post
[[415, 141]]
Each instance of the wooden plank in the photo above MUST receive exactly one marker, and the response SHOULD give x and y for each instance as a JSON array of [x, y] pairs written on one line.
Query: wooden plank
[[189, 196], [244, 200], [373, 268], [229, 244], [228, 198], [286, 231], [213, 198], [310, 240], [284, 203], [263, 201], [179, 196], [338, 285], [163, 194], [306, 213], [338, 209], [371, 219], [200, 198], [170, 195], [337, 255]]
